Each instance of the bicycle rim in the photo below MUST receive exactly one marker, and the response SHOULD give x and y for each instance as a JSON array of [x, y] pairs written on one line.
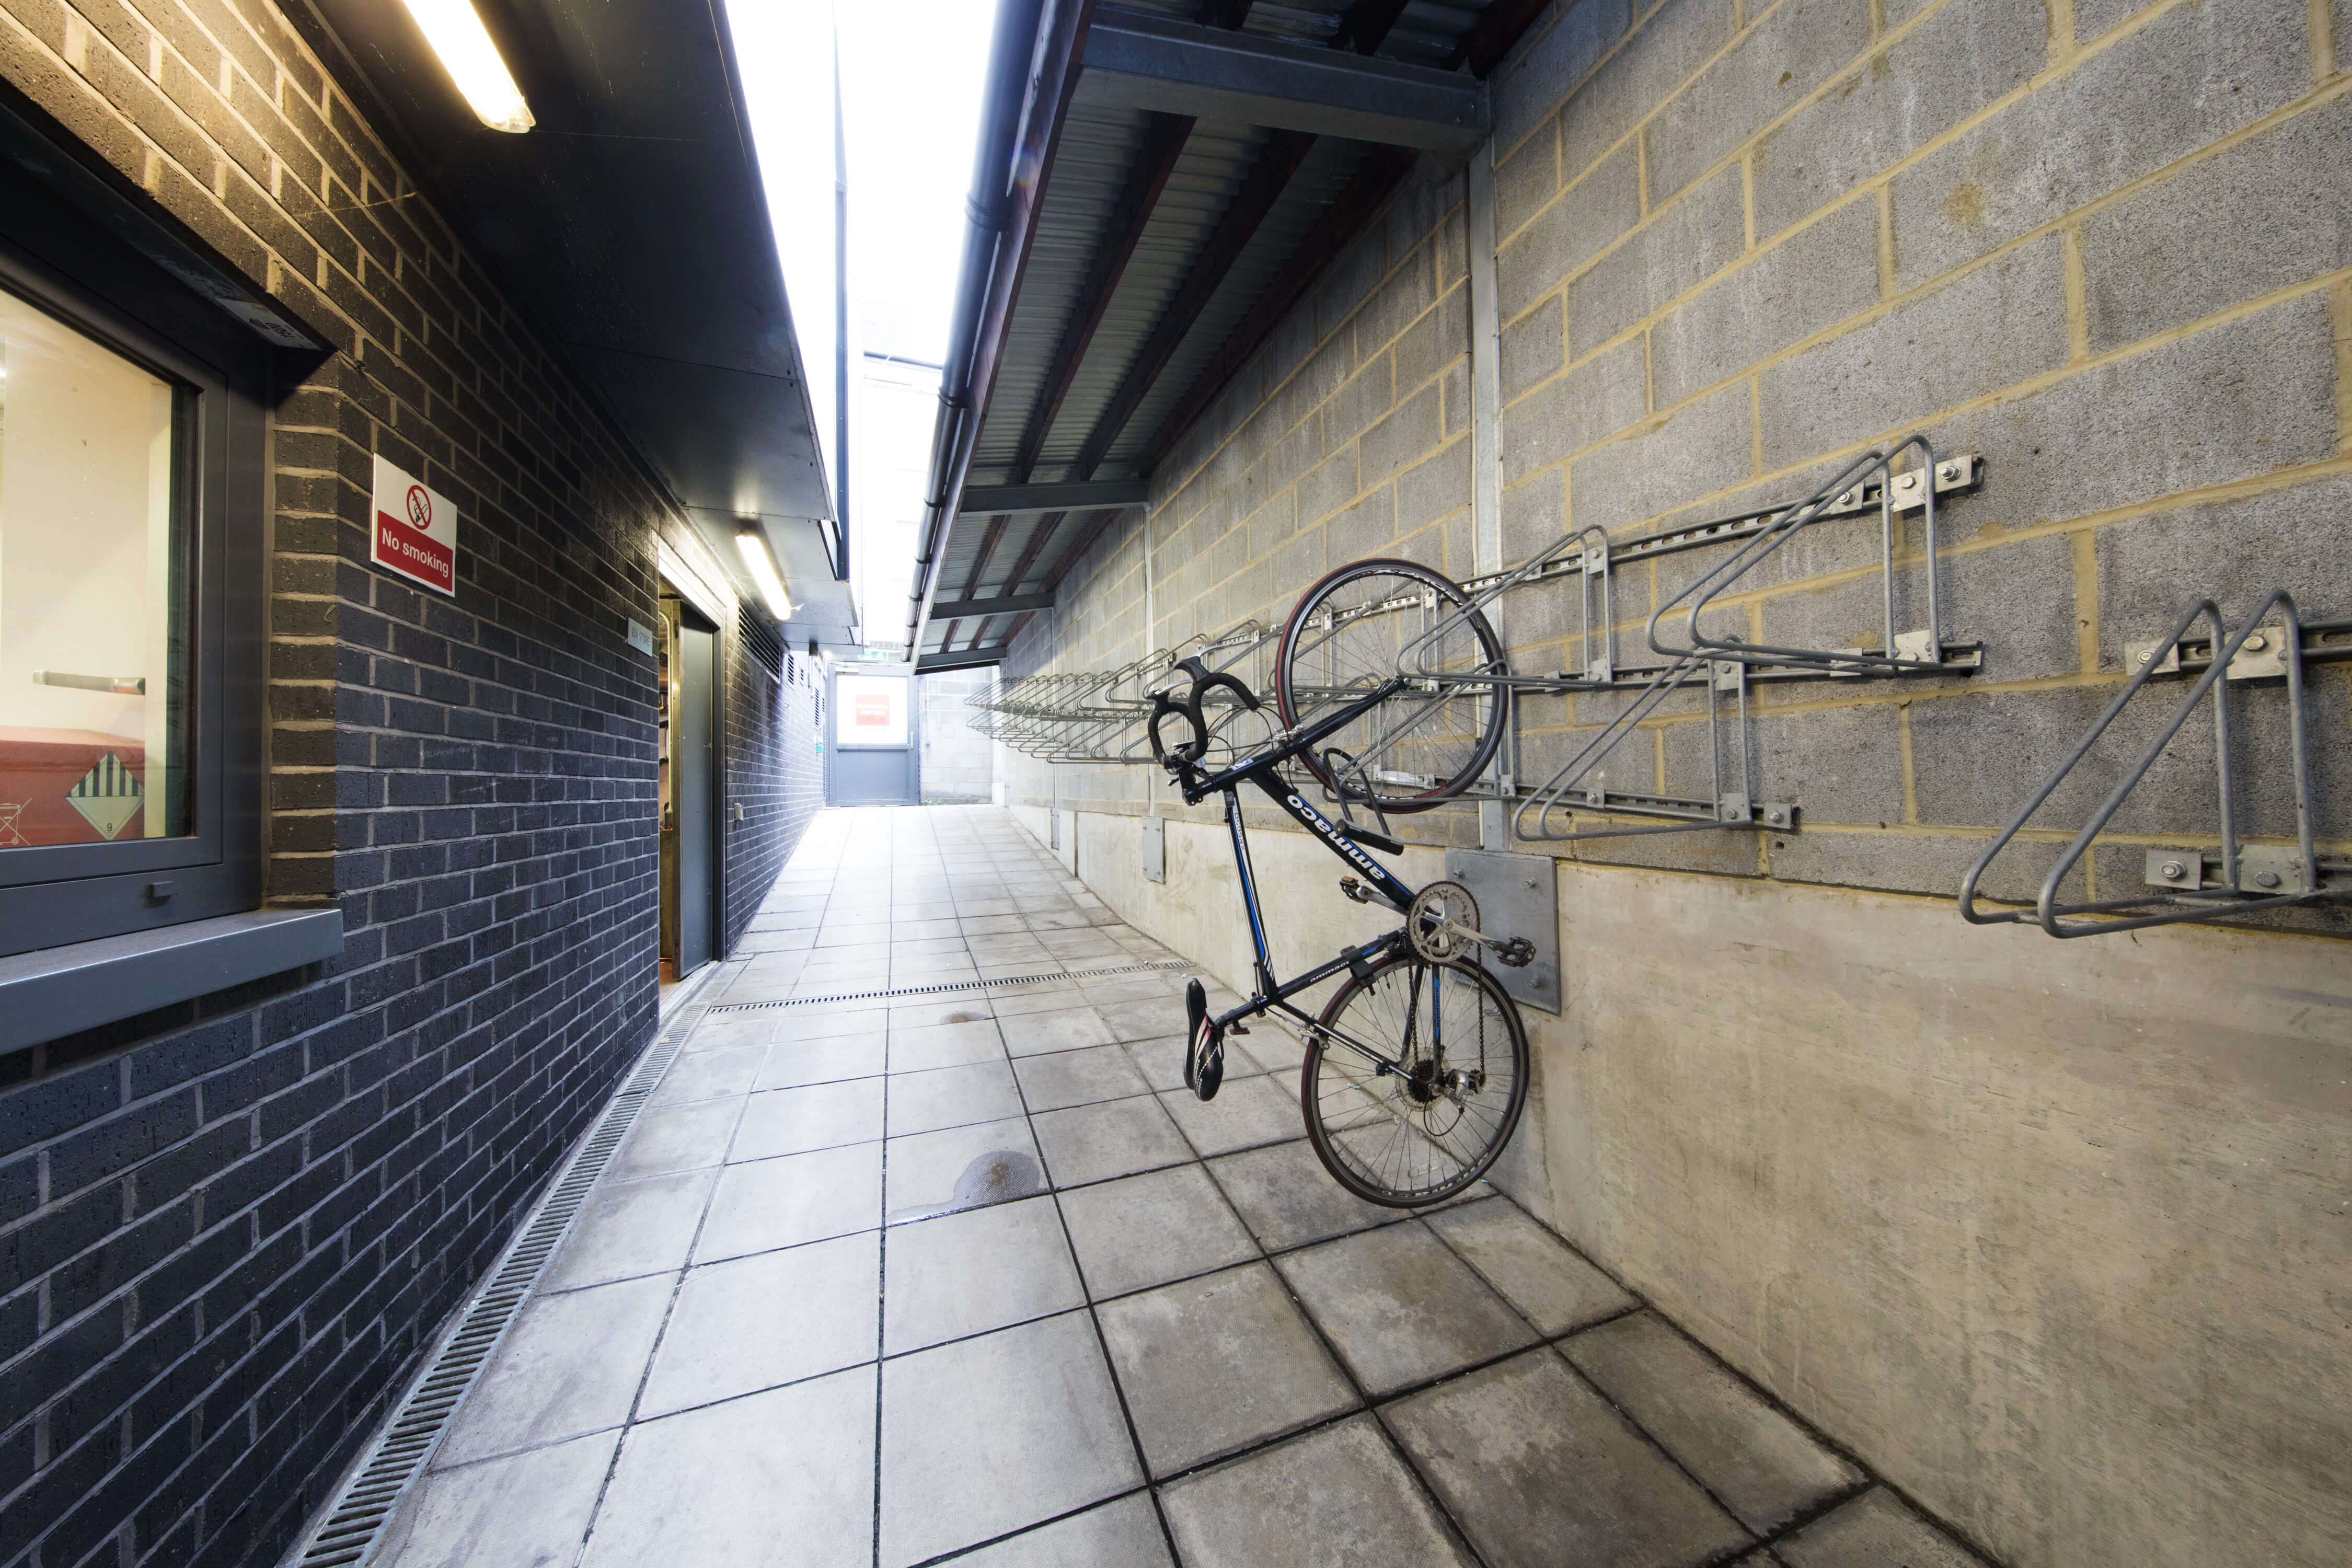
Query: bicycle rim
[[1388, 1137], [1347, 636]]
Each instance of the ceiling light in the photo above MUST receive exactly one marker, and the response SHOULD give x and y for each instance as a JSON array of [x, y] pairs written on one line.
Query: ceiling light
[[458, 35], [762, 567]]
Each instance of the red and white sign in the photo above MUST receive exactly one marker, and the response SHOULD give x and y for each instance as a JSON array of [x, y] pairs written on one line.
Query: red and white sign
[[413, 533], [874, 711]]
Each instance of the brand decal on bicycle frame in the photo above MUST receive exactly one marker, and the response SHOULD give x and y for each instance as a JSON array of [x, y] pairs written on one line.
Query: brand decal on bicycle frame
[[1322, 824]]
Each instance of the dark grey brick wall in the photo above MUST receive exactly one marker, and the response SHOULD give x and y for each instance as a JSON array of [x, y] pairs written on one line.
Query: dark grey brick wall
[[227, 1228]]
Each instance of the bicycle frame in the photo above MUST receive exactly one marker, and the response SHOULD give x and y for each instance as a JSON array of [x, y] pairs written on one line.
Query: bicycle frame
[[1259, 770]]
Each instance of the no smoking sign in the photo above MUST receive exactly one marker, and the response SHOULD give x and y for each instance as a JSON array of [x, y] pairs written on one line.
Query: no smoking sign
[[414, 533]]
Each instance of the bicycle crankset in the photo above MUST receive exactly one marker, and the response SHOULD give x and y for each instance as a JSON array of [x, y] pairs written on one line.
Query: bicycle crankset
[[1443, 924]]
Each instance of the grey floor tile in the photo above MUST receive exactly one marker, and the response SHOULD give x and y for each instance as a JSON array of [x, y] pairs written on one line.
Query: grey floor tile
[[1874, 1531], [709, 1075], [1046, 996], [629, 1228], [1539, 1470], [1534, 1270], [830, 1021], [1164, 986], [1245, 1115], [924, 1015], [794, 1064], [783, 1478], [952, 1096], [1764, 1467], [1146, 1230], [1059, 1029], [1215, 1366], [925, 1046], [1335, 1498], [1400, 1307], [568, 1366], [1146, 1018], [1121, 1534], [1162, 1061], [1077, 1077], [1117, 1138], [982, 1436], [968, 1273], [730, 1032], [797, 1121], [989, 925], [1288, 1199], [756, 1323], [1276, 1050], [960, 1168], [769, 1204], [532, 1508]]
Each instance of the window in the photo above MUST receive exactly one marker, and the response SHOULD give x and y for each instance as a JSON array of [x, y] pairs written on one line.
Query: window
[[130, 635]]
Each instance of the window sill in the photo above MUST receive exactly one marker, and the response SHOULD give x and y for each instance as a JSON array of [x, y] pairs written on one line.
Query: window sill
[[59, 991]]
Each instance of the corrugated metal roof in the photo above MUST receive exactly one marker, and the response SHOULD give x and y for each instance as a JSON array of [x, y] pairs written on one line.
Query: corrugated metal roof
[[1082, 202]]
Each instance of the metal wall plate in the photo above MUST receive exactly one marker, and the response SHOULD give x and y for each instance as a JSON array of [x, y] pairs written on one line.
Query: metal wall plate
[[1155, 849], [1518, 895]]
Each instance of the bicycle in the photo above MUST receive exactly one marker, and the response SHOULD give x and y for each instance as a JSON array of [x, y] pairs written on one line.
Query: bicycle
[[1416, 1070]]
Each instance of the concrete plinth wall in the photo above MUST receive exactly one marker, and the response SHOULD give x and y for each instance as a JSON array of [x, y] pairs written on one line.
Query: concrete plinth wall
[[2054, 1234]]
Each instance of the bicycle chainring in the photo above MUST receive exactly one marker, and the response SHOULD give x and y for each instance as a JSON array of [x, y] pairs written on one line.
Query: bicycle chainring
[[1436, 923]]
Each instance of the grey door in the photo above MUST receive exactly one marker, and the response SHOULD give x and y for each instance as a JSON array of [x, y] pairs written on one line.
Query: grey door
[[875, 757], [692, 775]]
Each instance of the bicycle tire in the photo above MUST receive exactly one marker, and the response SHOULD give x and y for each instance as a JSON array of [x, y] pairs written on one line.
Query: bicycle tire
[[1422, 730], [1334, 1084]]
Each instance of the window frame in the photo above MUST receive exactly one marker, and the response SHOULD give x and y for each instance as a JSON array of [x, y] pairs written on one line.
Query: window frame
[[55, 895]]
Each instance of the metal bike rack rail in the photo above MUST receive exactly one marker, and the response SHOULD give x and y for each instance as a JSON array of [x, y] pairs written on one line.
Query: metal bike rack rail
[[2234, 879]]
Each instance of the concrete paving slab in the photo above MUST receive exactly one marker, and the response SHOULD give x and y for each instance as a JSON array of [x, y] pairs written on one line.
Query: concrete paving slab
[[671, 1138], [1117, 1138], [960, 1168], [1245, 1115], [1149, 1229], [1536, 1271], [1401, 1308], [793, 1064], [1121, 1534], [768, 1203], [630, 1228], [759, 1322], [532, 1508], [1539, 1470], [984, 1435], [709, 1075], [784, 1477], [945, 1045], [1874, 1531], [1338, 1498], [1286, 1197], [1077, 1077], [568, 1366], [967, 1273], [1162, 1061], [952, 1096], [798, 1121], [1215, 1366], [1062, 1027], [1765, 1468]]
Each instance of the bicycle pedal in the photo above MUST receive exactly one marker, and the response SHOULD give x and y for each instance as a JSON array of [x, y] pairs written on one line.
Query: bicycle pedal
[[1236, 1029]]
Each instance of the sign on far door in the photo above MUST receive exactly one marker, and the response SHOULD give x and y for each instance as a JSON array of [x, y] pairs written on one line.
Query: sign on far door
[[414, 533], [870, 711]]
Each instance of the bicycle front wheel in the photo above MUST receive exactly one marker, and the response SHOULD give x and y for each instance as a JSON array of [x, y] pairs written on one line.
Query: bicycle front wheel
[[1423, 1128], [1366, 623]]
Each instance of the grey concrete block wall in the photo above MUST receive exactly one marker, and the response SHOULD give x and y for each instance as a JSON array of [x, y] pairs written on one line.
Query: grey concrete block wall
[[2104, 244]]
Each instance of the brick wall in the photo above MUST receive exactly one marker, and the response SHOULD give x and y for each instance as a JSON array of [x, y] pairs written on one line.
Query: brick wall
[[2105, 246], [227, 1228]]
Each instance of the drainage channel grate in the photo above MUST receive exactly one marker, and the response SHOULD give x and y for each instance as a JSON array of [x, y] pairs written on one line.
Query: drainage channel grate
[[348, 1536], [954, 985]]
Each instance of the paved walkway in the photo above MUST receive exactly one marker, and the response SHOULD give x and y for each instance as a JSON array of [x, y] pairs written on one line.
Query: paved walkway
[[891, 1281]]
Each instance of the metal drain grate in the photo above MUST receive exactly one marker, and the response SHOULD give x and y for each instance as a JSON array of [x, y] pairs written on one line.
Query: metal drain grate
[[954, 985], [348, 1535]]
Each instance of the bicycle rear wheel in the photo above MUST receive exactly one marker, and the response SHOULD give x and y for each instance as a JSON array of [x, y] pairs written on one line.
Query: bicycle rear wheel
[[1418, 1136], [1369, 622]]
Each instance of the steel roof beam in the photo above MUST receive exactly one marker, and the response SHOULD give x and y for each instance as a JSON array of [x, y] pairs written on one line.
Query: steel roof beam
[[1028, 501], [1181, 68], [1002, 605]]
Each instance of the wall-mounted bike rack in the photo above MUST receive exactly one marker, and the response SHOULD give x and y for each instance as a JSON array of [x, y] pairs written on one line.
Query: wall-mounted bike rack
[[1721, 663], [2206, 882], [1098, 716]]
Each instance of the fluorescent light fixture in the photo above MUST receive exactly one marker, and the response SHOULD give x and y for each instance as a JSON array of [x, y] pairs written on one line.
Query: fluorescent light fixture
[[458, 35], [762, 567]]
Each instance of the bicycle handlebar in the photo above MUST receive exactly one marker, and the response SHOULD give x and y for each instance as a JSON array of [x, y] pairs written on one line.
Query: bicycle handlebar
[[1204, 681]]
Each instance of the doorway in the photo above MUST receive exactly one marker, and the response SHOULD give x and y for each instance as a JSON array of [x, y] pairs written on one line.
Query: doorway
[[689, 815], [876, 756]]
